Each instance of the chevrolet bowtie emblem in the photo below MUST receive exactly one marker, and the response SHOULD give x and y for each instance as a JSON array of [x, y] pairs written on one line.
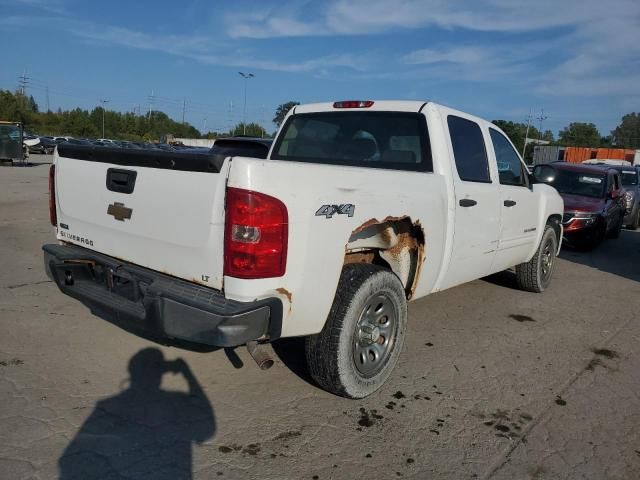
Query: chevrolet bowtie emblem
[[119, 211]]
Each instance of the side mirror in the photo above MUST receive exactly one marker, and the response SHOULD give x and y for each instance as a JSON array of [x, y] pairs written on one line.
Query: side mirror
[[543, 174]]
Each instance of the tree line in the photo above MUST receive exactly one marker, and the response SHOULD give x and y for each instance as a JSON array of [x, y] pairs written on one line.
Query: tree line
[[81, 123], [152, 126]]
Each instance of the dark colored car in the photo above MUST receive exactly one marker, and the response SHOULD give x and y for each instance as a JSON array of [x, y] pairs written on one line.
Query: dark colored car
[[631, 183], [594, 203], [253, 147]]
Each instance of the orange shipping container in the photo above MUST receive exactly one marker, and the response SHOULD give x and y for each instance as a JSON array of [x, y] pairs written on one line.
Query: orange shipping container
[[580, 154], [577, 154], [611, 153]]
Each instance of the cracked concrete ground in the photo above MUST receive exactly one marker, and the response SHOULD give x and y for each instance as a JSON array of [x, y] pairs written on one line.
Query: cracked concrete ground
[[493, 383]]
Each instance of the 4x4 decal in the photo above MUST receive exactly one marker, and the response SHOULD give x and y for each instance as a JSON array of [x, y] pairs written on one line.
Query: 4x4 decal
[[330, 210]]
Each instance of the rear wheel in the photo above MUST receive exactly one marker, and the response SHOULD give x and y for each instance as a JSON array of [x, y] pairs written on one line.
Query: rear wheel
[[359, 346], [535, 275]]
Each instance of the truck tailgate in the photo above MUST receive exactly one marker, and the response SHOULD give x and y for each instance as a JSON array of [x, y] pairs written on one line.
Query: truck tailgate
[[171, 222]]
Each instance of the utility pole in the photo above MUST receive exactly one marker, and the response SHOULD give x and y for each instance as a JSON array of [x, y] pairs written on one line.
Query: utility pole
[[103, 102], [184, 108], [230, 115], [47, 90], [23, 82], [526, 135], [542, 118], [150, 98], [246, 77]]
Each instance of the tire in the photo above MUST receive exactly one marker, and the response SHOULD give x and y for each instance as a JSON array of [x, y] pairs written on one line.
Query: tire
[[351, 356], [535, 275], [615, 233], [636, 220]]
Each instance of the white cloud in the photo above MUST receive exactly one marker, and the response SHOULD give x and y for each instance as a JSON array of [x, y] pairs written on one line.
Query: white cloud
[[356, 17], [458, 55], [204, 50]]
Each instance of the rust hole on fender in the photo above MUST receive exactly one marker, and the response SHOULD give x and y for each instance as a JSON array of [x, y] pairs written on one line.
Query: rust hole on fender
[[396, 242]]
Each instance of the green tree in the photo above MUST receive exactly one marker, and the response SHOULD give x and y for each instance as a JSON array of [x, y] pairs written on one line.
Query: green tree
[[548, 136], [579, 134], [627, 134], [517, 132], [82, 123], [281, 112], [33, 106], [252, 130]]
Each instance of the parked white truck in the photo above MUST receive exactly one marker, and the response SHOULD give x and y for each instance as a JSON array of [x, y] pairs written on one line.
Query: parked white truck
[[359, 207]]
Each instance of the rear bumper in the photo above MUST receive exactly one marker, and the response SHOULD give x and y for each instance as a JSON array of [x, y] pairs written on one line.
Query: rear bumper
[[159, 306]]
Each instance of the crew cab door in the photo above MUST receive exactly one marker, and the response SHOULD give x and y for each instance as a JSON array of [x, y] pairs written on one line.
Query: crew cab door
[[518, 203], [477, 207]]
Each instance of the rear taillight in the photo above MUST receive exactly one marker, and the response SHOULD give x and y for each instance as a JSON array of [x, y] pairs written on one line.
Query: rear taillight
[[353, 104], [255, 235], [53, 215]]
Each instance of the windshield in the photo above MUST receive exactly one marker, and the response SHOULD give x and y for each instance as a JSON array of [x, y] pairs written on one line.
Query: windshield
[[9, 132], [574, 183], [394, 140], [629, 178]]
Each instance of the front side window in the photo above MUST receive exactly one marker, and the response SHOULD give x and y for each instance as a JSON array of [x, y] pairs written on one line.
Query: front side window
[[510, 169], [629, 178], [469, 150], [393, 140]]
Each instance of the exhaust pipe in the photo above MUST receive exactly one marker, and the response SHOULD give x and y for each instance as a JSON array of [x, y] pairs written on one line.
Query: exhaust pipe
[[260, 355]]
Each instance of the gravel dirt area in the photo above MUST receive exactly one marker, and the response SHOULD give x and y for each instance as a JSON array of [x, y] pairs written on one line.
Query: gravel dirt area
[[493, 383]]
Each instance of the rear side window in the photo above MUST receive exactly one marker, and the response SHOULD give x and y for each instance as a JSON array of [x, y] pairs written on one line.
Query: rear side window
[[392, 140], [469, 150], [510, 169], [235, 148]]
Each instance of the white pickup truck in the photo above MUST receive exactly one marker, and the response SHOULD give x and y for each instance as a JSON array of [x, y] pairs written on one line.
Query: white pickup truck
[[359, 207]]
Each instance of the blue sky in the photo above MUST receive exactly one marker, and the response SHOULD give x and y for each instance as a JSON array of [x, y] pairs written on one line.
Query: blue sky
[[577, 59]]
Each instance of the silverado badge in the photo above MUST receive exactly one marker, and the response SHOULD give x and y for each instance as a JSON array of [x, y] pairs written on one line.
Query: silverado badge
[[119, 211]]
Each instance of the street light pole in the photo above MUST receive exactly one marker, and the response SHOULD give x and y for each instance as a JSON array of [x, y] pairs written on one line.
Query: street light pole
[[246, 77], [103, 102]]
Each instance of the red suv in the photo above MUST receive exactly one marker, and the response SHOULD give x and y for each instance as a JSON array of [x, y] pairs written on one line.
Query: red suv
[[594, 204]]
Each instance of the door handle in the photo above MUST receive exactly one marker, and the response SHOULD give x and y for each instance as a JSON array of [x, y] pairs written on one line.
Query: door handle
[[120, 180], [509, 203], [467, 202]]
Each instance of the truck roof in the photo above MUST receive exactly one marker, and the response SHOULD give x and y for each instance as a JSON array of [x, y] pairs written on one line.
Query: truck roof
[[378, 105], [581, 167], [385, 106]]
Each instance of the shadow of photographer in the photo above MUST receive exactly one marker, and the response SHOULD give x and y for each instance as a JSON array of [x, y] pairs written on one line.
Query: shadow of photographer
[[144, 431]]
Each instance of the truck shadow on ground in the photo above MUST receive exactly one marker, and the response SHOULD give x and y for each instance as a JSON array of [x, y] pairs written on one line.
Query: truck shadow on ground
[[143, 431], [291, 352], [616, 256]]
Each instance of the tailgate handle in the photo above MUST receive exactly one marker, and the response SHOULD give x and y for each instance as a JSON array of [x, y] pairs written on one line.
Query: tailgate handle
[[121, 181]]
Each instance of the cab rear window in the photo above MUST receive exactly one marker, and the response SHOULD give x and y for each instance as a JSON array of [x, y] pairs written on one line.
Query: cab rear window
[[392, 140]]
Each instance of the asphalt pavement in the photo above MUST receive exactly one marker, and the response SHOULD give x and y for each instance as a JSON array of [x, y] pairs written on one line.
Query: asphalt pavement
[[493, 383]]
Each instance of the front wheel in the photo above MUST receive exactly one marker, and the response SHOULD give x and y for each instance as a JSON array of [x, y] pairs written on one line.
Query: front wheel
[[616, 231], [636, 220], [359, 346], [535, 275]]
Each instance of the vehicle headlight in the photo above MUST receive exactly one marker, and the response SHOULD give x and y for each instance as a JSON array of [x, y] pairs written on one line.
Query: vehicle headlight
[[628, 198], [585, 217]]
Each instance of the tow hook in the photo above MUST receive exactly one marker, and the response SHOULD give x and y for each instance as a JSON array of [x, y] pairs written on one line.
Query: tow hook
[[260, 355]]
